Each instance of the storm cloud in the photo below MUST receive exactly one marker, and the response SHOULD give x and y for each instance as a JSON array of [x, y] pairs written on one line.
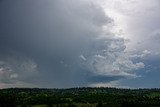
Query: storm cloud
[[59, 43]]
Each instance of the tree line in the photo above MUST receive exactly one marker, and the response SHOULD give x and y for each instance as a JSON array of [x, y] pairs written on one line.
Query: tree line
[[77, 97]]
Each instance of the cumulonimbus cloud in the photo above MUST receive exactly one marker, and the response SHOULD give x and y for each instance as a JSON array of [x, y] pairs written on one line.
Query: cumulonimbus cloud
[[65, 41]]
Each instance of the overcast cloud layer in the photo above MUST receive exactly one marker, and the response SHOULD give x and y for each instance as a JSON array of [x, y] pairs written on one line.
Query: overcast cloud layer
[[59, 43]]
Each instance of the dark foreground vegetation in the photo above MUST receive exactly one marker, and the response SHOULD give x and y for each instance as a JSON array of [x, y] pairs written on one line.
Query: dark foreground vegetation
[[79, 97]]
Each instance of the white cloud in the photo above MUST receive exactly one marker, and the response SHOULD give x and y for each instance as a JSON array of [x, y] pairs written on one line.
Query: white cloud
[[82, 57], [114, 61], [142, 55], [14, 76], [137, 21]]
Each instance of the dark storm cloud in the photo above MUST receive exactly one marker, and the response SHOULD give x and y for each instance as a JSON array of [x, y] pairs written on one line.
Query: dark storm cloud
[[50, 42]]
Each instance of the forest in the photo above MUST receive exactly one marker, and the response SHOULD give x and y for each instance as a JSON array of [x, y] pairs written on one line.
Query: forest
[[79, 97]]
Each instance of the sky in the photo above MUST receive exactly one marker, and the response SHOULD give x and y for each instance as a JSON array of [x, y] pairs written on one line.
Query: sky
[[79, 43]]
